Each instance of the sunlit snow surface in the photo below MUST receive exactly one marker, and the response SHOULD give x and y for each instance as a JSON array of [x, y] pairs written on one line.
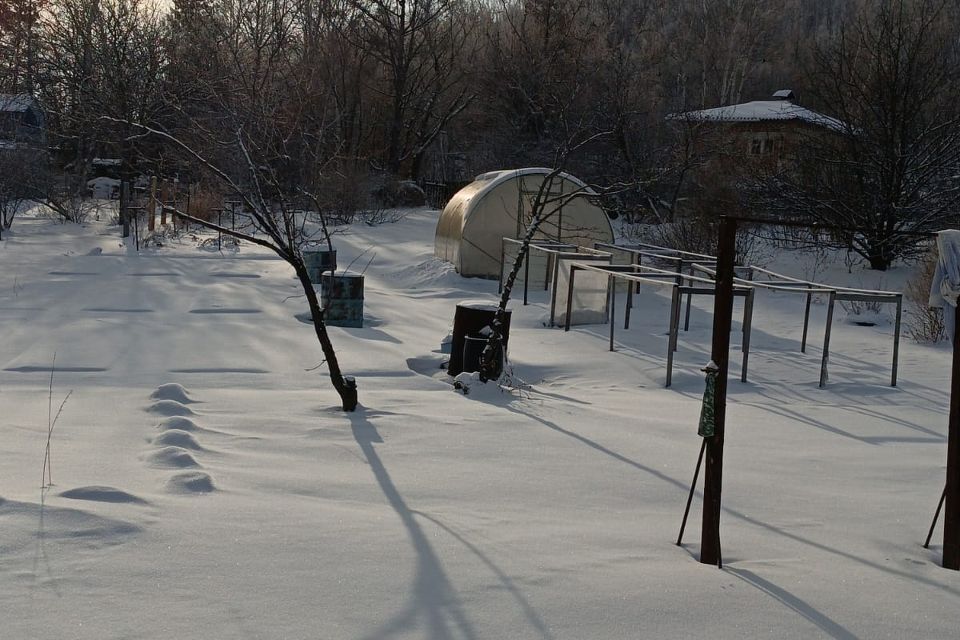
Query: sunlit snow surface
[[205, 484]]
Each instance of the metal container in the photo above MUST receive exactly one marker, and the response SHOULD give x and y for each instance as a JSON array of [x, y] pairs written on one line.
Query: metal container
[[342, 297], [470, 321], [320, 262]]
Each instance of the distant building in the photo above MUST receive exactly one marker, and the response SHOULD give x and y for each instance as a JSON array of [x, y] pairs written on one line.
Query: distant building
[[22, 122], [773, 129], [763, 135]]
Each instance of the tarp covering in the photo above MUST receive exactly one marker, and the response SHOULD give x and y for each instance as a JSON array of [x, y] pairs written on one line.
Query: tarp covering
[[590, 293], [946, 279], [499, 205]]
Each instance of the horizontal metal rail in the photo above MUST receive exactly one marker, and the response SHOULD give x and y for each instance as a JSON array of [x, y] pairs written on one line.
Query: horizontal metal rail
[[615, 272]]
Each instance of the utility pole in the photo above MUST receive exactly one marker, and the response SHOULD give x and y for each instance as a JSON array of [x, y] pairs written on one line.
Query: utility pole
[[720, 354]]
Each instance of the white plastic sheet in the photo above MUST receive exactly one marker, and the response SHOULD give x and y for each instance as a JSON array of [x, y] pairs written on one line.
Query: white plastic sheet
[[589, 294], [945, 288]]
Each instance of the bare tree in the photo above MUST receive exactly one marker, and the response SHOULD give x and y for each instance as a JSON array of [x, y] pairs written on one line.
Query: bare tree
[[715, 47], [545, 205], [20, 45], [262, 136], [269, 219], [98, 57], [891, 78], [423, 50], [22, 172]]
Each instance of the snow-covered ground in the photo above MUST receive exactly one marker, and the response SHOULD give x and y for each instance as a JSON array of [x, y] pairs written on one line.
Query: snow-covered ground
[[205, 484]]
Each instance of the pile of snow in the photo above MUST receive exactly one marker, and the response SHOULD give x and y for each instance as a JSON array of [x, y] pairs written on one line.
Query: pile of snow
[[177, 438], [102, 494], [170, 408], [172, 391], [191, 482], [171, 456]]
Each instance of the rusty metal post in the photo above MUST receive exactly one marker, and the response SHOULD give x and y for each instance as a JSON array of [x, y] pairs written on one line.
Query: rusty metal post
[[125, 209], [675, 302], [806, 321], [152, 208], [720, 354], [164, 195], [825, 358], [747, 330], [612, 297], [573, 271], [896, 341], [951, 514]]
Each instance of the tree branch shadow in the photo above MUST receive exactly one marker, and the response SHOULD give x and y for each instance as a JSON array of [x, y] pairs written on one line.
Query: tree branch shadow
[[784, 597], [740, 515], [433, 598]]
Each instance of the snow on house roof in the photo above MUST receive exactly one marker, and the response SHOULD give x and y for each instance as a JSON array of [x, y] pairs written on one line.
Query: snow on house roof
[[763, 111], [16, 103]]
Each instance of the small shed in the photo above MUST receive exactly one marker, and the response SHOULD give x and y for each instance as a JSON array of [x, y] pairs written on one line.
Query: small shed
[[499, 204], [22, 121]]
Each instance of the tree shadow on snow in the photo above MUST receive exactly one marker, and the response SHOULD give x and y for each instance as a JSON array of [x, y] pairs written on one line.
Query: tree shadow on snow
[[741, 516], [823, 622], [434, 601]]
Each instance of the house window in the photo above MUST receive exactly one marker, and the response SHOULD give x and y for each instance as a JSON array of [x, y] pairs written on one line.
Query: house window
[[762, 146]]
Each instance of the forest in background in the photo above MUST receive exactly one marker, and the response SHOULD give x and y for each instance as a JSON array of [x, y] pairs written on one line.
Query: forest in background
[[340, 95]]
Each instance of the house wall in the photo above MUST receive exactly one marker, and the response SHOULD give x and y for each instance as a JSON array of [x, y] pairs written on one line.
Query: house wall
[[729, 152], [24, 127]]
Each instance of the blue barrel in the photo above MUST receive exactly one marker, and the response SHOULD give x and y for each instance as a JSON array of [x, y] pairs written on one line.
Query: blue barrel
[[320, 262], [342, 296]]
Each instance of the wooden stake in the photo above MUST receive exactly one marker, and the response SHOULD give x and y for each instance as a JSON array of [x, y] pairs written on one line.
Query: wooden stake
[[951, 514]]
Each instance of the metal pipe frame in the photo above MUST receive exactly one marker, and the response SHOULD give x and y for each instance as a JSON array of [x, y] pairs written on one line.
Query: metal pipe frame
[[775, 282], [847, 294], [557, 257], [535, 245], [623, 272]]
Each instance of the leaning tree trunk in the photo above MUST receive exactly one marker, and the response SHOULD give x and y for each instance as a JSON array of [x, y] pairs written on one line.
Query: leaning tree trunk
[[493, 352], [345, 386]]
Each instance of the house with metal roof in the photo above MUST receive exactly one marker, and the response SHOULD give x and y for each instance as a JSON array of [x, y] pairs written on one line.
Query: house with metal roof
[[22, 122], [771, 131], [739, 142]]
